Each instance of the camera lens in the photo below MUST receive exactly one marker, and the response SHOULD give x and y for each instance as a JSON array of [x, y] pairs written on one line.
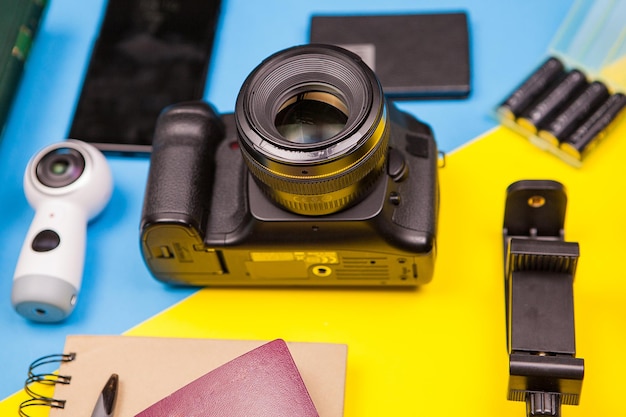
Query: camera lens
[[60, 167], [312, 125], [311, 117]]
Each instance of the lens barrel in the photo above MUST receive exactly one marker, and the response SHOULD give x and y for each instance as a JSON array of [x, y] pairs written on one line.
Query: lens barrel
[[312, 126], [60, 167]]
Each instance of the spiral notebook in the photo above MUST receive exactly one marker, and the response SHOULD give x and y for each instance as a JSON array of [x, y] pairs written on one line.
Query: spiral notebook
[[152, 368]]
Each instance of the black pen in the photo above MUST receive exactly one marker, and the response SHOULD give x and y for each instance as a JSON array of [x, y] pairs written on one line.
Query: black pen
[[106, 400]]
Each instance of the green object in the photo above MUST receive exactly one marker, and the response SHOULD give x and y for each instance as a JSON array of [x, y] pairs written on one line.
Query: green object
[[19, 20]]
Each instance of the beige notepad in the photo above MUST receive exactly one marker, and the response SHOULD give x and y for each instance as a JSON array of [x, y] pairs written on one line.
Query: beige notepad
[[151, 368]]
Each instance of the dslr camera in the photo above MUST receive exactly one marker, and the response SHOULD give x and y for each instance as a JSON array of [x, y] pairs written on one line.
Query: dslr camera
[[314, 180]]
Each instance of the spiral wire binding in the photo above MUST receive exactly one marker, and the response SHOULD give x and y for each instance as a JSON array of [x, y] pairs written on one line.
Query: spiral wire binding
[[44, 378]]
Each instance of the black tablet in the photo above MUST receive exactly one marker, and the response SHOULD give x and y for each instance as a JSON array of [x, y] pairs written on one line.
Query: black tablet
[[148, 55]]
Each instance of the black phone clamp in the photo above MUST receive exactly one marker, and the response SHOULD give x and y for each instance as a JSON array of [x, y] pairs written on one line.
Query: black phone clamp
[[539, 275]]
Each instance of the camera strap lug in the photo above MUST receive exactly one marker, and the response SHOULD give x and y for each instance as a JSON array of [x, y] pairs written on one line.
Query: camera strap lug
[[539, 274]]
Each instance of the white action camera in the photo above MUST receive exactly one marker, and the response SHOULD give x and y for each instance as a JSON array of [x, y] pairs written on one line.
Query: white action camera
[[68, 184]]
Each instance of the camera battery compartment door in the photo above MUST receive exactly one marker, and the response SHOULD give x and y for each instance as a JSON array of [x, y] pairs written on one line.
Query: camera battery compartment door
[[176, 254]]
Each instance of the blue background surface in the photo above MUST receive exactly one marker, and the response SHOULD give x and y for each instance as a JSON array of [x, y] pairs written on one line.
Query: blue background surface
[[508, 39]]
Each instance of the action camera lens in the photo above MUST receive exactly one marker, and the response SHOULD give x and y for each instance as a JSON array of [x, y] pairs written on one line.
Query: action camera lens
[[312, 125], [60, 167]]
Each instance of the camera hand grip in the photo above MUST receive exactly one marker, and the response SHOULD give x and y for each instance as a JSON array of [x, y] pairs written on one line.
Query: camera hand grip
[[49, 270], [182, 164]]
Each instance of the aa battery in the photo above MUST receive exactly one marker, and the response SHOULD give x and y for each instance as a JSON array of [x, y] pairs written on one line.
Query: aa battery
[[531, 89], [555, 100], [566, 122], [595, 127]]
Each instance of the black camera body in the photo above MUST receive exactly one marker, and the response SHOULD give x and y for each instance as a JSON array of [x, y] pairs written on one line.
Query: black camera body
[[213, 215]]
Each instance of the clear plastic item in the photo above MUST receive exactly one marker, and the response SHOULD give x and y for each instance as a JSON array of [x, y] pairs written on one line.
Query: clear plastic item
[[593, 38]]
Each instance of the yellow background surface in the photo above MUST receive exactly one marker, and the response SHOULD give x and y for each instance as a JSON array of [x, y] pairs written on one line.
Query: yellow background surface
[[440, 350]]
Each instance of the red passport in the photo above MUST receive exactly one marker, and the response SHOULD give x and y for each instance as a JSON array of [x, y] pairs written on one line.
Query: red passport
[[264, 382]]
